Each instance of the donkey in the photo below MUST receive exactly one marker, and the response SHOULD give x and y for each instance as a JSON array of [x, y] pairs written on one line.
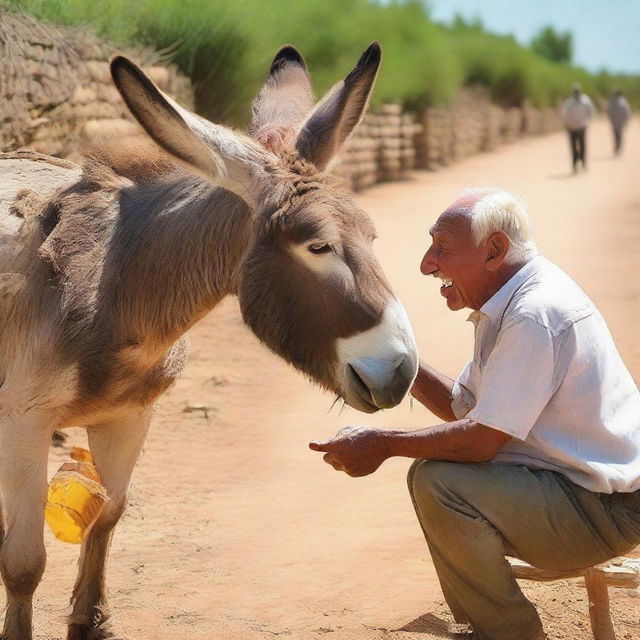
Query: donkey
[[102, 274]]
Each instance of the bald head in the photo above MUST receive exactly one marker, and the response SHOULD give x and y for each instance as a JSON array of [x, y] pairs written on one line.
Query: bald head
[[458, 218], [489, 210], [463, 205], [477, 244]]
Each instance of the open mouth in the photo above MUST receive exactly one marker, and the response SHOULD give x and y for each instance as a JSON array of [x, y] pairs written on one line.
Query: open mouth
[[365, 406], [447, 283], [357, 402], [362, 393]]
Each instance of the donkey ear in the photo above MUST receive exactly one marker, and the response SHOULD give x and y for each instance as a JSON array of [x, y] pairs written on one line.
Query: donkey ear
[[215, 152], [337, 114], [283, 102]]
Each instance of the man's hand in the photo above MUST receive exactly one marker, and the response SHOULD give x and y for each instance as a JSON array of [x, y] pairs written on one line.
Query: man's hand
[[358, 451]]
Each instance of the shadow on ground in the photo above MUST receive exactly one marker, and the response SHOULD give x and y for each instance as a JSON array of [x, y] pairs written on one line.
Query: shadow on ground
[[437, 627]]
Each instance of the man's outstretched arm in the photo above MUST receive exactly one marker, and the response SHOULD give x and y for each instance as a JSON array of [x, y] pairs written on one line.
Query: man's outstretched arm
[[359, 451]]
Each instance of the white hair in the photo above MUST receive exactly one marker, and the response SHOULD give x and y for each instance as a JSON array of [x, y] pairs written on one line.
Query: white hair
[[497, 210]]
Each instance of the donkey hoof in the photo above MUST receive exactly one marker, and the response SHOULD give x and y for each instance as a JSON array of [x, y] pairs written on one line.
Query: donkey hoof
[[88, 632]]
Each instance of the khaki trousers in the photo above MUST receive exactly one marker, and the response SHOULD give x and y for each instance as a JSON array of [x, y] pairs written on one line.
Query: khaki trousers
[[473, 515]]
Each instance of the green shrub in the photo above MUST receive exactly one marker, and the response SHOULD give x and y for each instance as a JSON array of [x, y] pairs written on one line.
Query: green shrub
[[226, 48]]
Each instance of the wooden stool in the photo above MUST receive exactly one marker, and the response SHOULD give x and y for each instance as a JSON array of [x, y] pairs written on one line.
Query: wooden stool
[[619, 572]]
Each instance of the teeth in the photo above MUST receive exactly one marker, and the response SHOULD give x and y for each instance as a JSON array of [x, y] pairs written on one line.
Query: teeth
[[447, 282]]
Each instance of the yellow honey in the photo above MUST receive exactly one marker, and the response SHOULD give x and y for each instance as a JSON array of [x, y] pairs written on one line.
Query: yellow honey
[[81, 455], [75, 498]]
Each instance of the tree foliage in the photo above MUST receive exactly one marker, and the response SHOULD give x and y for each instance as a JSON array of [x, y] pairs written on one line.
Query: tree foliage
[[225, 48], [553, 45]]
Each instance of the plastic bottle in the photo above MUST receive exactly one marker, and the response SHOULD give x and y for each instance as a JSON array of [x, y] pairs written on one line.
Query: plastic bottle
[[75, 498]]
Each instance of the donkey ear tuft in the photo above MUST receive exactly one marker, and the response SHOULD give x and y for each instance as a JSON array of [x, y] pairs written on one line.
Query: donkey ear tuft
[[368, 63], [140, 94], [283, 102], [337, 114], [287, 55], [116, 62], [123, 72]]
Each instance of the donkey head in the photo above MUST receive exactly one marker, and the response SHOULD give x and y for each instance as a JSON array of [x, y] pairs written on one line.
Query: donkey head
[[309, 286]]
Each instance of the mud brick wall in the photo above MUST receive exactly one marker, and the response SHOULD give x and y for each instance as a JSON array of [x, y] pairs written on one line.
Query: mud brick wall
[[390, 142], [56, 90], [381, 148], [474, 124]]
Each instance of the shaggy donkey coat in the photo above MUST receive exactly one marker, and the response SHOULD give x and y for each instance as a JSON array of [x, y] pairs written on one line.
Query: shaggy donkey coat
[[104, 268]]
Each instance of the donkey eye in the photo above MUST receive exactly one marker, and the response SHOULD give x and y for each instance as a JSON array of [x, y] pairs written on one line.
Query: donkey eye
[[319, 248]]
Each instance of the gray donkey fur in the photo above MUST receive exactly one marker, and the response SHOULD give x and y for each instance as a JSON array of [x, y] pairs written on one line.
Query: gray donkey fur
[[104, 268]]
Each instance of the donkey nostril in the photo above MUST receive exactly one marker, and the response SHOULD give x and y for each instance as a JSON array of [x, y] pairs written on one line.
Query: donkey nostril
[[361, 386], [376, 380], [401, 379], [380, 381]]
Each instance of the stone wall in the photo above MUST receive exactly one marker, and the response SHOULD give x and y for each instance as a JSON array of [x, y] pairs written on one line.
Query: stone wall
[[474, 124], [56, 89], [56, 95], [381, 148], [390, 142]]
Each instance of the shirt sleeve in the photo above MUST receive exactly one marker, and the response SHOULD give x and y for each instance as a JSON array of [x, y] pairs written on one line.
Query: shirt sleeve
[[462, 399], [517, 381]]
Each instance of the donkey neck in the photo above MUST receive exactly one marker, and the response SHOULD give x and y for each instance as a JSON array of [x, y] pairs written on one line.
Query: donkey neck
[[177, 248]]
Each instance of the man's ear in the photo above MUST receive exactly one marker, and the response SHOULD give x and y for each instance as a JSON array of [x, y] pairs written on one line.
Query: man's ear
[[498, 244]]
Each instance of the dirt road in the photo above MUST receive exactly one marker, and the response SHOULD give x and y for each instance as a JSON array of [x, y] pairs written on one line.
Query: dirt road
[[237, 531]]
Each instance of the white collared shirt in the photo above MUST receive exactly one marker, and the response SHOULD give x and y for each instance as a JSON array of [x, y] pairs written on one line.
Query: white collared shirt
[[546, 371], [577, 111]]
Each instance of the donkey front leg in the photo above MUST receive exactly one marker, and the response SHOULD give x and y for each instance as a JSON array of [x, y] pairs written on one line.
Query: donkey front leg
[[115, 448], [24, 446]]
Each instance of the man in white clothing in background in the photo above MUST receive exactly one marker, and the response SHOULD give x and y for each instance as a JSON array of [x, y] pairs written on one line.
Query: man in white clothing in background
[[577, 111], [539, 453], [618, 111]]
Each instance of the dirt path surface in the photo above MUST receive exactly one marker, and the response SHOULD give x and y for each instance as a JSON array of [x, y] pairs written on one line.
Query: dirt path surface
[[237, 531]]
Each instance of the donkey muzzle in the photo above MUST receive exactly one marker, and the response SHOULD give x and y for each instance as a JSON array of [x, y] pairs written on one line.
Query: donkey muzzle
[[379, 383]]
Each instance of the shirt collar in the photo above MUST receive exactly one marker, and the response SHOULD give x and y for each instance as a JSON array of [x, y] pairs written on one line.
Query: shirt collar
[[494, 307]]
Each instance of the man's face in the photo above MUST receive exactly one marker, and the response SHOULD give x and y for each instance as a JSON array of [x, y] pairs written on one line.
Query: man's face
[[454, 257]]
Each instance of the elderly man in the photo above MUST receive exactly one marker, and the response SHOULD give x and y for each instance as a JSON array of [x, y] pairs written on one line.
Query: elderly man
[[539, 456]]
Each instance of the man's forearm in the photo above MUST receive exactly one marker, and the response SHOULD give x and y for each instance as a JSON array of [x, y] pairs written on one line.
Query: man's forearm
[[434, 391], [459, 441], [359, 451]]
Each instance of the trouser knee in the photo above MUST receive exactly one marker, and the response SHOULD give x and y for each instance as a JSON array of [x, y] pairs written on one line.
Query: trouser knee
[[411, 474], [426, 480]]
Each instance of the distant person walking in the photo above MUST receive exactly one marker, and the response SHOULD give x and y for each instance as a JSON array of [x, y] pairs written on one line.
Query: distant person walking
[[576, 113], [619, 112]]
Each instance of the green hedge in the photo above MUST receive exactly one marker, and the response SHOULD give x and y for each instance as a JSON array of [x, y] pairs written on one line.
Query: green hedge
[[226, 47]]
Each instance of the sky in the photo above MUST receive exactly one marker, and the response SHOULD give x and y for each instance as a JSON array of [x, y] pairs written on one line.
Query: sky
[[606, 33]]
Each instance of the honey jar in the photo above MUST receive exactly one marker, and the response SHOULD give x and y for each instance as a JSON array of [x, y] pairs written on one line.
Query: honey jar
[[75, 498]]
